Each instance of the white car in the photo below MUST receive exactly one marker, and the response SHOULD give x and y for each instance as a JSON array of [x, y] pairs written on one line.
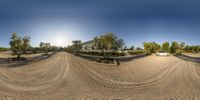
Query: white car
[[162, 54]]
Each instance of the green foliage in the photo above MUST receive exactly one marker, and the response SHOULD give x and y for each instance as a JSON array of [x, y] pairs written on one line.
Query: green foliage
[[175, 48], [118, 43], [107, 42], [45, 47], [76, 45], [2, 49], [35, 49], [55, 48], [26, 43], [166, 47], [192, 49], [136, 52], [69, 48], [151, 47], [132, 48], [19, 45], [182, 45], [138, 48], [97, 53], [178, 52]]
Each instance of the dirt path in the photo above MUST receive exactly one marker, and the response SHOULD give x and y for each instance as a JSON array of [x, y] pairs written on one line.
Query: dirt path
[[64, 76]]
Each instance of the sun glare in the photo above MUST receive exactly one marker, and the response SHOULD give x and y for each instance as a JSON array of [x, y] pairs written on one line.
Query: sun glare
[[59, 41]]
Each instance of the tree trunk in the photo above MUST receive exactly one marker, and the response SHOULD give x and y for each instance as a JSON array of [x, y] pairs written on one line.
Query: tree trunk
[[18, 55], [104, 56], [114, 51], [46, 53]]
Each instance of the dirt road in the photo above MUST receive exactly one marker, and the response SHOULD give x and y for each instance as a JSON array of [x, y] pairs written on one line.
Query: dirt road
[[64, 76]]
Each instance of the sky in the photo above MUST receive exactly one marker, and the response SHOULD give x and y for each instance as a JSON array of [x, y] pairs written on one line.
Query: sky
[[136, 21]]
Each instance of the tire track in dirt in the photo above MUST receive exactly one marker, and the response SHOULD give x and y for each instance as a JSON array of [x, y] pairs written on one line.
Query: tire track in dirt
[[39, 82], [164, 71], [177, 76], [67, 76]]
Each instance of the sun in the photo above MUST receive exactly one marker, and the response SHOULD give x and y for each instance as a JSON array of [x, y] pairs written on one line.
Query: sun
[[59, 41]]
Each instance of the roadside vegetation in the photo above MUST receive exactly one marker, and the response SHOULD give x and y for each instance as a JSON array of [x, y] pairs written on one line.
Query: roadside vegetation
[[19, 45], [192, 49], [76, 44], [136, 52], [20, 49], [45, 47], [108, 43], [2, 49], [75, 47], [99, 53], [151, 47], [105, 45], [175, 48]]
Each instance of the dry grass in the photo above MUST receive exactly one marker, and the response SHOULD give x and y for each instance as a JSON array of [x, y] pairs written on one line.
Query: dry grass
[[10, 55]]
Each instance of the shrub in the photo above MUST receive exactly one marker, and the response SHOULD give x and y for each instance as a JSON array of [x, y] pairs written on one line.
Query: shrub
[[97, 53], [178, 52], [136, 52], [4, 49]]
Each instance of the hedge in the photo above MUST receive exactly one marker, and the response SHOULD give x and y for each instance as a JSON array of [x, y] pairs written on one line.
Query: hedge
[[4, 49], [136, 52], [96, 53]]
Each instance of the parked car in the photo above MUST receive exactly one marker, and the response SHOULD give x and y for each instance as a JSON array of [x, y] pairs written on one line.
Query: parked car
[[162, 54]]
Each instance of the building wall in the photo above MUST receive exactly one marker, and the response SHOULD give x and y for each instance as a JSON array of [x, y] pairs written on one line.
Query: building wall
[[88, 45]]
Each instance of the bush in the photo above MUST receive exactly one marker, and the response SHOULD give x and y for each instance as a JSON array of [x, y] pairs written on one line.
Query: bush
[[97, 53], [116, 54], [4, 49], [136, 52], [178, 52]]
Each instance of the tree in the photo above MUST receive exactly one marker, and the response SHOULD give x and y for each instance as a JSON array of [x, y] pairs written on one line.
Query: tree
[[151, 47], [125, 48], [198, 48], [138, 48], [132, 48], [156, 47], [147, 47], [187, 48], [107, 42], [175, 47], [118, 43], [77, 45], [69, 48], [2, 49], [26, 43], [18, 44], [165, 47], [182, 45], [55, 48], [192, 48], [45, 47]]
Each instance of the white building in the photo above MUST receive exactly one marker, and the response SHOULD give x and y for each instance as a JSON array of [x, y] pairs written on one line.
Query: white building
[[88, 45]]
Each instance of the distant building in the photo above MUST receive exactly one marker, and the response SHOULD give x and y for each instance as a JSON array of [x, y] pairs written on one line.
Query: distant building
[[88, 45]]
